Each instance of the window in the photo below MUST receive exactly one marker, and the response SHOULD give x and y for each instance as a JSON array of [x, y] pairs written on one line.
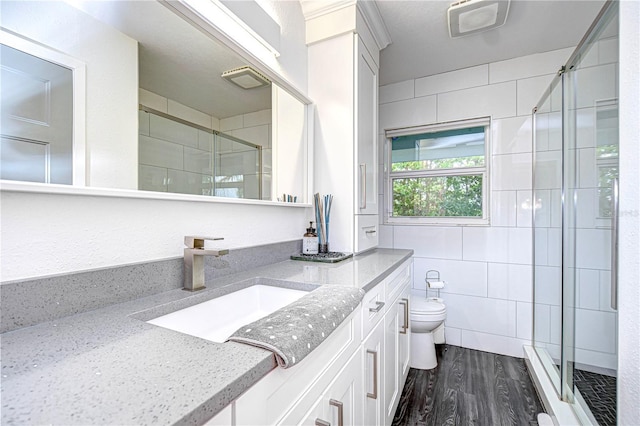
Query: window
[[438, 174]]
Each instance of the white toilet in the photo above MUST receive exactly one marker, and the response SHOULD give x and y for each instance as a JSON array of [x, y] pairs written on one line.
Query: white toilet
[[427, 329]]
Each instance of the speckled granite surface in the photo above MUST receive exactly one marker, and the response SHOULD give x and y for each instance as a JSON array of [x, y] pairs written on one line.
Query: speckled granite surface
[[108, 366]]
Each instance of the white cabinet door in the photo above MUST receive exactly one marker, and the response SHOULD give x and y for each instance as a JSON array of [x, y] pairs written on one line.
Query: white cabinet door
[[404, 351], [344, 396], [391, 356], [341, 403], [373, 355], [366, 131]]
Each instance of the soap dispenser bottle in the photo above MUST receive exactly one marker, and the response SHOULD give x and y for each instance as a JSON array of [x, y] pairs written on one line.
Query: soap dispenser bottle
[[310, 241]]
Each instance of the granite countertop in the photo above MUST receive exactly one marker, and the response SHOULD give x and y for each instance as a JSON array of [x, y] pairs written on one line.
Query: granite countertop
[[108, 366]]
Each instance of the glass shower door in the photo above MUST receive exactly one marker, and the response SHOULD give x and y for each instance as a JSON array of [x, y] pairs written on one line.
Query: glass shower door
[[591, 168], [575, 170]]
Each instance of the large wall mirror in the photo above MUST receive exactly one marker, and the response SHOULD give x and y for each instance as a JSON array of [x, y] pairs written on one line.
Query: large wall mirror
[[158, 114]]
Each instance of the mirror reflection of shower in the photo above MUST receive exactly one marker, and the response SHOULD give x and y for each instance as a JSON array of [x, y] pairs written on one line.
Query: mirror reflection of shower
[[177, 156]]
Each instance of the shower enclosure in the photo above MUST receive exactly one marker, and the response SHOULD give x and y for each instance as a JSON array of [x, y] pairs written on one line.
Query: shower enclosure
[[182, 157], [575, 172]]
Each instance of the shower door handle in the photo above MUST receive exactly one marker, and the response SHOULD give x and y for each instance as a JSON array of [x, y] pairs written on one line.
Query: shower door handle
[[614, 244]]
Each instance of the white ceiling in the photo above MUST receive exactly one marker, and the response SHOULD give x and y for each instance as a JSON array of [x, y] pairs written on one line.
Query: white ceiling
[[421, 46]]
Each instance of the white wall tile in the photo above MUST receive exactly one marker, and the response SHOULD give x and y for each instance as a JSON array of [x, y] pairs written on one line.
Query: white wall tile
[[492, 343], [469, 278], [485, 244], [153, 101], [479, 314], [184, 112], [453, 336], [258, 135], [548, 288], [511, 172], [595, 84], [231, 123], [160, 153], [511, 135], [198, 161], [595, 330], [497, 101], [509, 281], [600, 359], [593, 248], [605, 291], [396, 92], [555, 325], [143, 123], [586, 207], [187, 183], [528, 66], [251, 187], [412, 112], [541, 240], [543, 208], [542, 321], [454, 80], [530, 92], [428, 241], [172, 131], [385, 236], [588, 289], [503, 208], [587, 170], [525, 205], [608, 50], [500, 245], [554, 246], [586, 128], [524, 318], [548, 173], [205, 140], [152, 178], [257, 118]]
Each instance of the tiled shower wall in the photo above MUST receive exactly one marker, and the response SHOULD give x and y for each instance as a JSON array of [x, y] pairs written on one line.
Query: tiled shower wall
[[174, 157], [487, 268]]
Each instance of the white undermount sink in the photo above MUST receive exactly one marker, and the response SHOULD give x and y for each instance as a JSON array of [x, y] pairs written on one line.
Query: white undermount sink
[[218, 318]]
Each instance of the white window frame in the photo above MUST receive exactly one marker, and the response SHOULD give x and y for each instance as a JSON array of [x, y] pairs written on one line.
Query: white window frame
[[484, 171]]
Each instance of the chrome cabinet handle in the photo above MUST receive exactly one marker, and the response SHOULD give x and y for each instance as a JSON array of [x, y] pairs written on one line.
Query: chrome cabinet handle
[[320, 422], [614, 244], [405, 326], [363, 185], [340, 406], [371, 231], [379, 305], [374, 395]]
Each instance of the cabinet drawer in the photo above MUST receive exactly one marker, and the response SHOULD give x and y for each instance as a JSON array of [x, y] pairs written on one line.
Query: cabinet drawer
[[366, 232], [373, 308], [398, 280]]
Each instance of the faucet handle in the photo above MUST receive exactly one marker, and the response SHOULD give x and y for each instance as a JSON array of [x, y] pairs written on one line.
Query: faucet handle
[[198, 242]]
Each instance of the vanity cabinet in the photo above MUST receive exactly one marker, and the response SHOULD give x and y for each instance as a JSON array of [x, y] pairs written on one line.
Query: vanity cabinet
[[355, 377], [385, 349], [343, 83]]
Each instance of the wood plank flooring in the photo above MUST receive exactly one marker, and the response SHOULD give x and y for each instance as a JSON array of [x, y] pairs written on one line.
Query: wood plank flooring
[[469, 387]]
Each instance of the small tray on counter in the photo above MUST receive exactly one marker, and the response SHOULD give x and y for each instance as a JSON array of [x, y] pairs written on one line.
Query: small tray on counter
[[331, 257]]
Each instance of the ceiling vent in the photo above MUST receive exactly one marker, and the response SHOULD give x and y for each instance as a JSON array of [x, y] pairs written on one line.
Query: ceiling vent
[[474, 16], [246, 77]]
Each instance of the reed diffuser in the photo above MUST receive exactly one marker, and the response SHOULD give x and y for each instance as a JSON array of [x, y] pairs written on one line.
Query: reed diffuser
[[323, 211]]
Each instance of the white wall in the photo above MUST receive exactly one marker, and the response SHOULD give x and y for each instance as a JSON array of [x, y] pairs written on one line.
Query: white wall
[[487, 268], [629, 261], [111, 88], [44, 234]]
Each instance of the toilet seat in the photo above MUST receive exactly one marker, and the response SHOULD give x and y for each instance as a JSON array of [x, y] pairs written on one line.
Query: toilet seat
[[427, 307]]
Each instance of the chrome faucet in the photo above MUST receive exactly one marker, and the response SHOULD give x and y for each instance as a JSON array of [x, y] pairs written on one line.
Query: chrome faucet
[[194, 255]]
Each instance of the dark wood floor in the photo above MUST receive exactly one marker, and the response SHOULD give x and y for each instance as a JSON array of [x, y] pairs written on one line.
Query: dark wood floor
[[469, 387]]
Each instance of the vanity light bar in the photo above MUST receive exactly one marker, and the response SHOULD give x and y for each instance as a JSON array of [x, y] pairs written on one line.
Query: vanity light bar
[[246, 78]]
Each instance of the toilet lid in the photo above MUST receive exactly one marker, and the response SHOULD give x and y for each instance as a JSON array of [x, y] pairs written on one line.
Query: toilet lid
[[419, 305]]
